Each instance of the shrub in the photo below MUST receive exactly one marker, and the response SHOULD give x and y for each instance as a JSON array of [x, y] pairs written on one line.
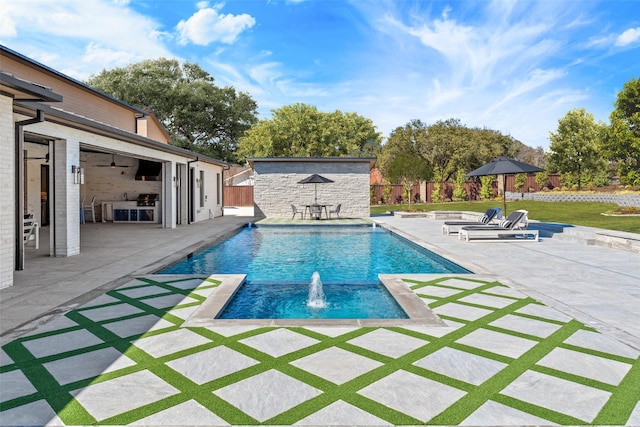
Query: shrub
[[486, 191], [436, 197]]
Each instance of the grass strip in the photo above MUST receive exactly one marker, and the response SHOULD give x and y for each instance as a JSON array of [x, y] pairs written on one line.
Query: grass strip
[[624, 399], [468, 404]]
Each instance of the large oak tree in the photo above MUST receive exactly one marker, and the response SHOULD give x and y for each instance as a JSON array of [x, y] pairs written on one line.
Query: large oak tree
[[197, 114], [301, 130]]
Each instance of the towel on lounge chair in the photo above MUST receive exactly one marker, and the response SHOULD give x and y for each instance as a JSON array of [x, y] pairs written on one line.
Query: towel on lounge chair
[[449, 227]]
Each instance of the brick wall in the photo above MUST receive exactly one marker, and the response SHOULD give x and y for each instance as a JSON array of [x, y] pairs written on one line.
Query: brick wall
[[276, 187], [7, 191]]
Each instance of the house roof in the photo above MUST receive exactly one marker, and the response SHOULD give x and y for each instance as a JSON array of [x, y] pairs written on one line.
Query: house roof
[[371, 161], [28, 98], [84, 123], [22, 90], [6, 51]]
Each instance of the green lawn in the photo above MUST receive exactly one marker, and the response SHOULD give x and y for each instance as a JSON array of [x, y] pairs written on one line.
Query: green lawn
[[576, 213]]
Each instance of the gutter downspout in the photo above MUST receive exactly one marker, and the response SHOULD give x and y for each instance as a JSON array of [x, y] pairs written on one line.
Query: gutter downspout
[[19, 185], [224, 168], [189, 190]]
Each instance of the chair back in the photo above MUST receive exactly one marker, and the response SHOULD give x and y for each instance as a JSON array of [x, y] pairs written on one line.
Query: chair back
[[488, 216], [316, 209], [513, 220]]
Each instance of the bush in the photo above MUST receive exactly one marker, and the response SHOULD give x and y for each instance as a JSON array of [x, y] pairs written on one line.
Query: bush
[[486, 191], [436, 197]]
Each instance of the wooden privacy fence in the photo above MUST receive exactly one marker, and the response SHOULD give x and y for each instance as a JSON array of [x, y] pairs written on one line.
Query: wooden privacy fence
[[238, 195], [423, 191]]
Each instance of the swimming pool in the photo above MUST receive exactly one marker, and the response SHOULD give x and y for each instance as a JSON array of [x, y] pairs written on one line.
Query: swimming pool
[[291, 254], [280, 261]]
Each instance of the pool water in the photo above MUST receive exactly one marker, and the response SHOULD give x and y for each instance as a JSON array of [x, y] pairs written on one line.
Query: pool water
[[289, 301], [347, 254], [280, 261]]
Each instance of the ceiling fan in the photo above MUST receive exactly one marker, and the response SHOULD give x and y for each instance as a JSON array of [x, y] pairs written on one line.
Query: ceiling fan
[[45, 158], [113, 164]]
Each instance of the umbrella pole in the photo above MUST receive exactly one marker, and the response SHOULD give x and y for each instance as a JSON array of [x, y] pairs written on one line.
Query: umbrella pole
[[504, 194]]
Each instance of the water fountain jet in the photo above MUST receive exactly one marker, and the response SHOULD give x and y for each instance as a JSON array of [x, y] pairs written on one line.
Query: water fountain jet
[[316, 294]]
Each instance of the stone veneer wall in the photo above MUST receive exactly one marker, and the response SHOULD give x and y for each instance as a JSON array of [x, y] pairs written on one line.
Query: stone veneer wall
[[276, 187], [619, 199]]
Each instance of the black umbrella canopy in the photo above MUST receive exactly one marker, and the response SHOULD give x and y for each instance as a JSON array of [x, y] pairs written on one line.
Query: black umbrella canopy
[[315, 179], [504, 166]]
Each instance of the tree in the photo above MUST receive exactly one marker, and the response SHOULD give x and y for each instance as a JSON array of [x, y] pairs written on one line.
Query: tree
[[301, 130], [198, 115], [401, 161], [447, 146], [622, 138], [575, 146]]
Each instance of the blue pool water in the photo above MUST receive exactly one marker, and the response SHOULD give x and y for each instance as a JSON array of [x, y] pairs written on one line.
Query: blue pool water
[[279, 262], [276, 254], [255, 300]]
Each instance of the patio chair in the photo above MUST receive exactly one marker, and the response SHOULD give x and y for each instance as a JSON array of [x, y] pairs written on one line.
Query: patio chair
[[511, 229], [297, 211], [31, 230], [89, 210], [336, 210], [315, 211], [491, 214]]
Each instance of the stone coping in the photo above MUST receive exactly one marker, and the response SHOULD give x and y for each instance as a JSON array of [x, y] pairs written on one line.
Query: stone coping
[[206, 315]]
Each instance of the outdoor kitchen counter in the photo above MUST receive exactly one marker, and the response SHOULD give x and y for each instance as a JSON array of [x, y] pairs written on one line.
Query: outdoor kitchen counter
[[129, 211]]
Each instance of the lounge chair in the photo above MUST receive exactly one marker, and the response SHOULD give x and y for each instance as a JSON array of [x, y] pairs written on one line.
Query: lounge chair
[[449, 227], [512, 229], [297, 211]]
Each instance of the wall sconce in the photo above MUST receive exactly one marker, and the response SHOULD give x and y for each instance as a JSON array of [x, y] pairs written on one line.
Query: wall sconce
[[78, 174]]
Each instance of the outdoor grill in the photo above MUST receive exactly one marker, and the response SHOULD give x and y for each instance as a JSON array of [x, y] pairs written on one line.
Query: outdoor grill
[[147, 199]]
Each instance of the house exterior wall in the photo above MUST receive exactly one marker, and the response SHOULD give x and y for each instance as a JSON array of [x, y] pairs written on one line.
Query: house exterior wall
[[93, 125], [7, 192], [100, 109], [276, 186]]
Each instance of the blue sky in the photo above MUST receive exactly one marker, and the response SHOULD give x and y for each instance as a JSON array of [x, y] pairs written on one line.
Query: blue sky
[[512, 66]]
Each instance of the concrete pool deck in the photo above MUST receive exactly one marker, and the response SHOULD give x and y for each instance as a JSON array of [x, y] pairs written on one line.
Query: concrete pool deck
[[97, 330]]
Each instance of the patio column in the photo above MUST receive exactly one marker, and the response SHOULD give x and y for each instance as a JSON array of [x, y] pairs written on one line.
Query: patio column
[[66, 194], [7, 193], [170, 182]]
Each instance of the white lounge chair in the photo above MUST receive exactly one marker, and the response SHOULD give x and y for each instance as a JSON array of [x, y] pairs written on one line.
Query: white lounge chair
[[512, 229], [490, 215]]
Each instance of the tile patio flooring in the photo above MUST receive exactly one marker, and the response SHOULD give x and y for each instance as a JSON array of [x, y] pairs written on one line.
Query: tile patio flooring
[[503, 359]]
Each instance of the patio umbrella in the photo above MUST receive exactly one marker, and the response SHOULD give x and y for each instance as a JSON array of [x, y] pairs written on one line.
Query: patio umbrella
[[504, 166], [315, 179]]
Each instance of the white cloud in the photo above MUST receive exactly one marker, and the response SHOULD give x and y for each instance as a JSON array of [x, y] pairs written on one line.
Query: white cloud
[[207, 26], [630, 36], [86, 35]]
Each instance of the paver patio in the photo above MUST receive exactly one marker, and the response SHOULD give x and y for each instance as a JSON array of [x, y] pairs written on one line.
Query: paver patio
[[504, 358]]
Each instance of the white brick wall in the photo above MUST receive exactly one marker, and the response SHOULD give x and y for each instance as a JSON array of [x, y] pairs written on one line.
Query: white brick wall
[[67, 198], [7, 192], [276, 187]]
